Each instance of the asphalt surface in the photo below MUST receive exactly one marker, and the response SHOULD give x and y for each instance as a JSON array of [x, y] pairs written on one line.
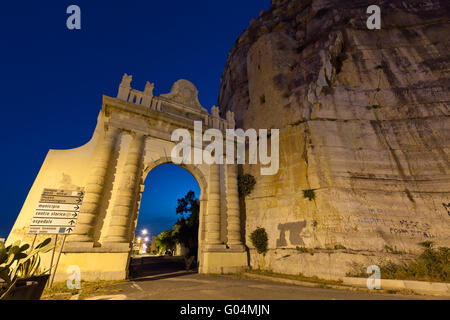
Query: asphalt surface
[[164, 278], [153, 266]]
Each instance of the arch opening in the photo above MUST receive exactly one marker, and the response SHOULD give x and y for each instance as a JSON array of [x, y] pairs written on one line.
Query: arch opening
[[166, 228]]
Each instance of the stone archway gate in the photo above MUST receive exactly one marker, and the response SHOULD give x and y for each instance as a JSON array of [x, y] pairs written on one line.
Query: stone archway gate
[[132, 136]]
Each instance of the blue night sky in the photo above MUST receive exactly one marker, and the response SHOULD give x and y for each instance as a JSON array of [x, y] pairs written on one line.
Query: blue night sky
[[52, 80]]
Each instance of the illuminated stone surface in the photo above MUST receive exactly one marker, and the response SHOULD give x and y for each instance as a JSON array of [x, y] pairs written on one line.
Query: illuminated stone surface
[[364, 122], [132, 137]]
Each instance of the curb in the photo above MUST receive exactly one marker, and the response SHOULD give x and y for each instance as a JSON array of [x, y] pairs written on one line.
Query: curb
[[421, 287], [294, 282], [349, 283]]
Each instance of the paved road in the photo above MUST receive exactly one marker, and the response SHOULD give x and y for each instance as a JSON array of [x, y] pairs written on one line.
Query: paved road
[[164, 279], [151, 265]]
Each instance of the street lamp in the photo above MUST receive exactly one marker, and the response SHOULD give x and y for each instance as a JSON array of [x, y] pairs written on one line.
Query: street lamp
[[144, 239]]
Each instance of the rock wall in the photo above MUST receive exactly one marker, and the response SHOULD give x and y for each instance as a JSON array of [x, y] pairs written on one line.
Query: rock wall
[[364, 129]]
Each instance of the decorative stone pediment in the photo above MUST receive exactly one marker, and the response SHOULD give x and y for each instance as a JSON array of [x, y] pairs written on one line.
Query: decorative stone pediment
[[184, 92], [181, 102]]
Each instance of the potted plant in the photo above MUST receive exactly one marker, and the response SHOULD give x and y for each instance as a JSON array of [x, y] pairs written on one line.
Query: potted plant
[[20, 274]]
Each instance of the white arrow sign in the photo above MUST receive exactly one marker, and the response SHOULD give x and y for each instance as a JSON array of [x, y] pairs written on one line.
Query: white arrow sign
[[58, 207], [60, 222], [55, 214]]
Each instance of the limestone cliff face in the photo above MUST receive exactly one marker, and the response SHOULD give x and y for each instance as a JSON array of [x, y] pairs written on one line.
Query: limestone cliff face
[[364, 122]]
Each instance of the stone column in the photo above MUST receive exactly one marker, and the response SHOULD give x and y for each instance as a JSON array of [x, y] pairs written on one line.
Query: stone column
[[134, 217], [84, 231], [129, 181], [233, 213], [201, 225], [212, 225]]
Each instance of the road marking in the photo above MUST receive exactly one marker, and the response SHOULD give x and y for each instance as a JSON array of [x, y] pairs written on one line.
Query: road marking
[[261, 286], [165, 274], [189, 280], [135, 285]]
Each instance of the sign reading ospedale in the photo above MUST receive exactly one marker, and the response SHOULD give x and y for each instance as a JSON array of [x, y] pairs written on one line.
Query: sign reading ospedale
[[57, 212]]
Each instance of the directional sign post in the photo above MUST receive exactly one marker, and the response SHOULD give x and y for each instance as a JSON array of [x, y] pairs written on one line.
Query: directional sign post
[[56, 213]]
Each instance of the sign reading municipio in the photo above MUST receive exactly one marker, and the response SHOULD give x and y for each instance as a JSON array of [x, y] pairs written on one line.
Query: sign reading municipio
[[57, 212]]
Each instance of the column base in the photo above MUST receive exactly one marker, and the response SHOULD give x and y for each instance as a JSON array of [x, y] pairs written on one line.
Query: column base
[[78, 246], [237, 247], [223, 262], [94, 266], [79, 238], [116, 246], [214, 247], [88, 247]]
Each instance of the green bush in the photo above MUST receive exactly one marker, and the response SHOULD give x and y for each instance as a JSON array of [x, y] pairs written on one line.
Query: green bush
[[246, 183], [259, 240], [426, 244], [432, 265], [310, 194]]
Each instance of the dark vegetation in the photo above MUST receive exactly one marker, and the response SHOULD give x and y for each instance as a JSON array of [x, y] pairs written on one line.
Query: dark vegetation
[[185, 230], [432, 265], [259, 240], [310, 194], [246, 183]]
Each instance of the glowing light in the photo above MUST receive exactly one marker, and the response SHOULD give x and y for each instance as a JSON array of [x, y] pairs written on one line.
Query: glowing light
[[144, 232]]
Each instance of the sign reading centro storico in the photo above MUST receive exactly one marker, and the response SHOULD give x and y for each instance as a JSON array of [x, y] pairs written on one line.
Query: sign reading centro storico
[[57, 212]]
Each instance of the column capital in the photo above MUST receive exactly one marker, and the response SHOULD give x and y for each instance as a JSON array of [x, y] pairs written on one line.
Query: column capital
[[111, 129], [135, 134]]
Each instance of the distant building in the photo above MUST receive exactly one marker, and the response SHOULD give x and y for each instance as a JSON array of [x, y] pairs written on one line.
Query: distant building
[[153, 245], [137, 245], [181, 250]]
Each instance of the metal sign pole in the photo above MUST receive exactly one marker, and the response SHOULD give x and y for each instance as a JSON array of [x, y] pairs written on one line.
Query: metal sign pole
[[51, 260], [57, 260], [32, 244]]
